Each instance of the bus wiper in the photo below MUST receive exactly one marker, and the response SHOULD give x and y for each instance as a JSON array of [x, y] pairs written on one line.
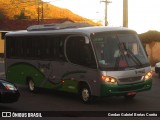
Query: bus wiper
[[121, 56], [133, 57]]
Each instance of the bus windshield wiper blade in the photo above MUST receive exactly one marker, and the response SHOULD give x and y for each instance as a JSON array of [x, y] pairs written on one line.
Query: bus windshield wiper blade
[[122, 48], [134, 58], [121, 56]]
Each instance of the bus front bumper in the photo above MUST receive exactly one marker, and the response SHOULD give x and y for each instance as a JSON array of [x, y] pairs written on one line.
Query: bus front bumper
[[121, 90]]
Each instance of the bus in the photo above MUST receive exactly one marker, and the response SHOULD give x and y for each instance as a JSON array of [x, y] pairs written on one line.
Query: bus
[[91, 61]]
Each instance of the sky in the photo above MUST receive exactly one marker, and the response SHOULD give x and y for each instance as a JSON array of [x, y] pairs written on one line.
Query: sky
[[143, 15]]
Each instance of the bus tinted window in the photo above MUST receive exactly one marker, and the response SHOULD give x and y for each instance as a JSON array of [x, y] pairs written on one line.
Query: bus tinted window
[[119, 51], [78, 52], [36, 47]]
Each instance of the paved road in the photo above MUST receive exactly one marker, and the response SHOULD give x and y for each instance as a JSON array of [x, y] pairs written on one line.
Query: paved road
[[52, 101]]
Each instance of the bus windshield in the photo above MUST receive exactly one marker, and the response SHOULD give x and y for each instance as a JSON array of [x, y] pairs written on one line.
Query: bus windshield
[[119, 51]]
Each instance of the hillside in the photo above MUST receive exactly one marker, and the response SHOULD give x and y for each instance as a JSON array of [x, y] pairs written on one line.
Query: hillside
[[28, 9]]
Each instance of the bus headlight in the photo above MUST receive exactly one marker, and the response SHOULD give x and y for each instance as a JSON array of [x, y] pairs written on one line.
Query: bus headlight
[[148, 75], [109, 80]]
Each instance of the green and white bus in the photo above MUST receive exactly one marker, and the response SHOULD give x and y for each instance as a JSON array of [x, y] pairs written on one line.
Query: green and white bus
[[89, 61]]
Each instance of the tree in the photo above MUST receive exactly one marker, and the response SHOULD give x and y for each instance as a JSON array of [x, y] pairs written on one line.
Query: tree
[[2, 14], [21, 16], [150, 38]]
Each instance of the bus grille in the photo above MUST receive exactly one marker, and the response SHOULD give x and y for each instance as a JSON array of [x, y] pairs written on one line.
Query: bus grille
[[130, 79], [131, 88]]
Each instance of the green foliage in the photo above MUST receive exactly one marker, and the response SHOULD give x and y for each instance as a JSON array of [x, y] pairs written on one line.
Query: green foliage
[[2, 14], [21, 16]]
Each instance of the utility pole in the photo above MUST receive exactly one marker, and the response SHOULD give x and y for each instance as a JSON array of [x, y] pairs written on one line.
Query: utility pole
[[105, 18], [40, 11], [125, 13]]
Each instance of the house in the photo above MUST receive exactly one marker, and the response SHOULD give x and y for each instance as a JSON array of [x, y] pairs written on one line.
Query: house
[[2, 35], [13, 25]]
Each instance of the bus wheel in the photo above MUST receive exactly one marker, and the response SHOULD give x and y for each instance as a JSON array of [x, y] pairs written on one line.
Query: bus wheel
[[85, 94], [31, 86]]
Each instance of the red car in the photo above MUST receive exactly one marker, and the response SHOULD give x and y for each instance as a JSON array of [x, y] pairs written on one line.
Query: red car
[[8, 92]]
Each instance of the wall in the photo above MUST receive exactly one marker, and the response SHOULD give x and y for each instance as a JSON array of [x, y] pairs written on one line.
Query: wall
[[1, 44], [153, 51]]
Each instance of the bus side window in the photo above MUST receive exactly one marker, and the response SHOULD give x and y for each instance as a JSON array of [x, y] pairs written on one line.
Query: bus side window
[[54, 49], [78, 52]]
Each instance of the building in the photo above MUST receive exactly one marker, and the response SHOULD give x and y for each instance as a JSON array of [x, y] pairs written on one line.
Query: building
[[13, 25], [2, 35]]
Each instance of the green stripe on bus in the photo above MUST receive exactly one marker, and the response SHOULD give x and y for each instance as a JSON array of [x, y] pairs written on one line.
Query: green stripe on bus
[[19, 72]]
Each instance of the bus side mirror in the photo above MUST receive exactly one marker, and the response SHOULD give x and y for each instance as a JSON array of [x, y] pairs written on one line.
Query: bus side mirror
[[86, 40]]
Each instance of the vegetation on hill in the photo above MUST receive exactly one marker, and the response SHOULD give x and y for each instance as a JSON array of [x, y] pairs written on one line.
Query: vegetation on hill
[[29, 9]]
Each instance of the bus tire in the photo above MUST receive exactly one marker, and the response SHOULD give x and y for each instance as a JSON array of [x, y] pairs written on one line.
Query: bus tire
[[31, 85], [85, 94]]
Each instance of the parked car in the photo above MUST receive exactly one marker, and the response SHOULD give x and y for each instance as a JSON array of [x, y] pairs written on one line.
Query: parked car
[[157, 68], [8, 92]]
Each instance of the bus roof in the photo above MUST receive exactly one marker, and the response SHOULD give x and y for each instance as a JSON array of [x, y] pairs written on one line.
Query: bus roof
[[83, 30]]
